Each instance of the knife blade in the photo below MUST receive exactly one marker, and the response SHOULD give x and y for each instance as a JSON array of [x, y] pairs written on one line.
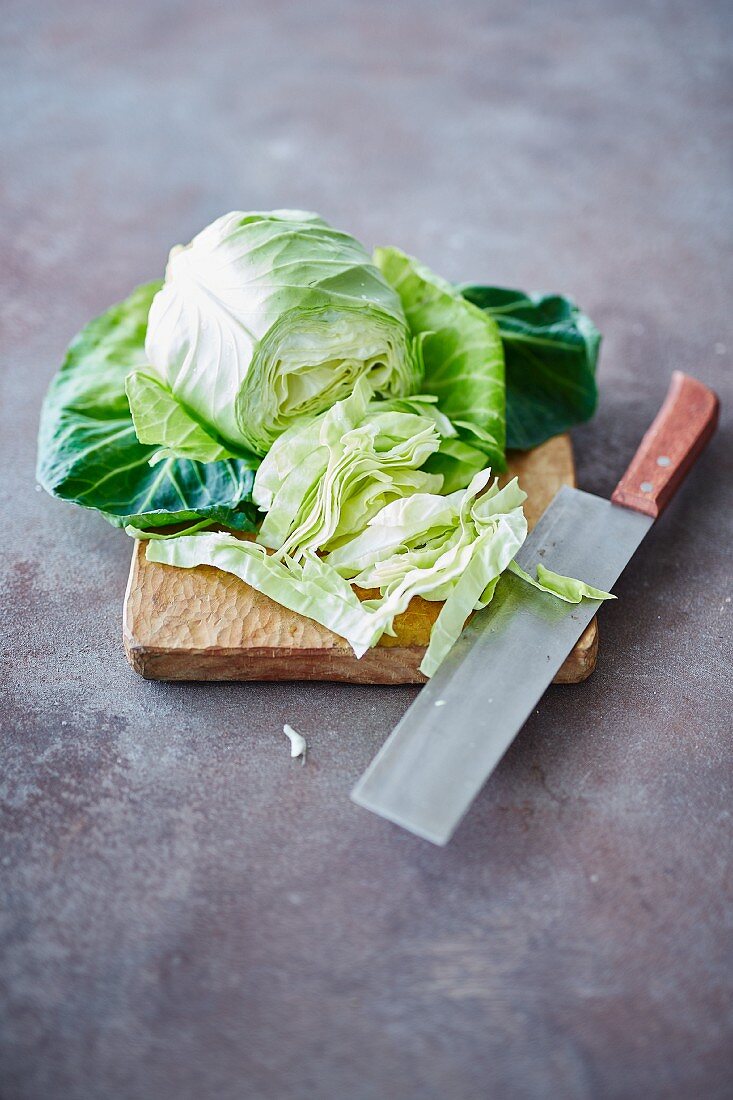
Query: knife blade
[[435, 762]]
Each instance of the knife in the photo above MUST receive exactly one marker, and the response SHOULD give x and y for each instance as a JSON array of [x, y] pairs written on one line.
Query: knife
[[441, 753]]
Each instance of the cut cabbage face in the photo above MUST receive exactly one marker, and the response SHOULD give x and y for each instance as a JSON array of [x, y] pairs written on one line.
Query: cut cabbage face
[[265, 318]]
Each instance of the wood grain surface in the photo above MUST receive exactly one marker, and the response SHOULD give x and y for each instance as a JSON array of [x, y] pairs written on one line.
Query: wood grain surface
[[204, 624]]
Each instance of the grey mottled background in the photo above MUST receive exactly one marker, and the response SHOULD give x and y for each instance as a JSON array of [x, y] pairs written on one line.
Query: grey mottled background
[[188, 915]]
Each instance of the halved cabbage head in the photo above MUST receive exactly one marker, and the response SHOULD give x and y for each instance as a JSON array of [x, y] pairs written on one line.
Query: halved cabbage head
[[265, 318]]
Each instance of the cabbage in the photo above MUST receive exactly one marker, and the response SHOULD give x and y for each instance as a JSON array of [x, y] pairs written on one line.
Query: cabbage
[[551, 352], [265, 318], [323, 480], [450, 549], [89, 451], [264, 322], [275, 335], [564, 588], [463, 360]]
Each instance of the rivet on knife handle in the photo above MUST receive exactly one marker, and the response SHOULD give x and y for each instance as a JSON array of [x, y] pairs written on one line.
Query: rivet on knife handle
[[682, 427]]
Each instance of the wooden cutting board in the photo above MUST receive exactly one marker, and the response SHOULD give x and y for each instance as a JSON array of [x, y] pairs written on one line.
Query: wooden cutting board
[[203, 624]]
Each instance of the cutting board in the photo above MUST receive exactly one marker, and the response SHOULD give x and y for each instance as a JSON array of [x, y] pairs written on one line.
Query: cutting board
[[203, 624]]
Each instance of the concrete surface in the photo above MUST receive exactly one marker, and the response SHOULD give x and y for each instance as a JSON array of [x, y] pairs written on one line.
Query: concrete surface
[[187, 913]]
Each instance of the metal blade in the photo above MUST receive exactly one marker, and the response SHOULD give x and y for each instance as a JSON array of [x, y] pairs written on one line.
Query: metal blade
[[452, 737]]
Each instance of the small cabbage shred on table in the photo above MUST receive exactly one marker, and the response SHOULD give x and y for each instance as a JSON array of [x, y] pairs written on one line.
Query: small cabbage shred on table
[[347, 413]]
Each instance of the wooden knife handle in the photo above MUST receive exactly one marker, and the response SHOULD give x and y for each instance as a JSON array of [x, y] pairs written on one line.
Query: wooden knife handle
[[680, 431]]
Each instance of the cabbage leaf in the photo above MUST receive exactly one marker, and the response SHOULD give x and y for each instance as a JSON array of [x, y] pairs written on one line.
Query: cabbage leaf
[[565, 588], [461, 349], [159, 418], [450, 549], [322, 481], [89, 453], [551, 351]]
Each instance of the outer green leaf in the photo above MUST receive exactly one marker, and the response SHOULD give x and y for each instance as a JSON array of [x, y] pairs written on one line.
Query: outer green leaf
[[551, 351], [459, 459], [461, 349], [268, 317], [88, 451]]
